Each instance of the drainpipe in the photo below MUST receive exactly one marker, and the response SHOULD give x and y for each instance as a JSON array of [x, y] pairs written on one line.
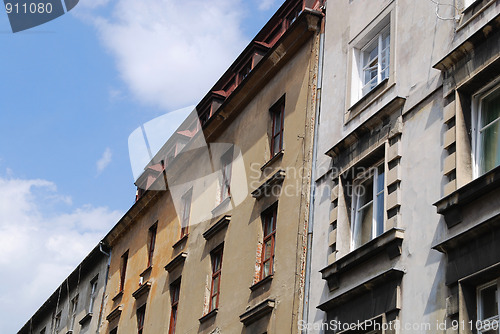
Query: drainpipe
[[101, 309], [307, 282]]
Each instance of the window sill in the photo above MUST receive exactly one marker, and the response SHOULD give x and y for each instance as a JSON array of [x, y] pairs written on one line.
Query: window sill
[[176, 261], [262, 283], [118, 296], [208, 316], [115, 313], [451, 206], [366, 101], [143, 289], [271, 161], [86, 318], [389, 242], [258, 311], [217, 227], [221, 206], [146, 271], [265, 189], [180, 241]]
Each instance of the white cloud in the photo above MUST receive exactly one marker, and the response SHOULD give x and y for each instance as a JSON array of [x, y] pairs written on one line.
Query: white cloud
[[39, 248], [266, 4], [170, 53], [104, 161]]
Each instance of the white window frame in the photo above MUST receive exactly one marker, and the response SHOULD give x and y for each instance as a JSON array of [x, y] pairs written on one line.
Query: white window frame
[[364, 53], [476, 120], [93, 294], [495, 320], [73, 308], [373, 174]]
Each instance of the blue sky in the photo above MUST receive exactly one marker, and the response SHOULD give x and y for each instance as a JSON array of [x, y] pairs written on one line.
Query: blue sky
[[71, 92]]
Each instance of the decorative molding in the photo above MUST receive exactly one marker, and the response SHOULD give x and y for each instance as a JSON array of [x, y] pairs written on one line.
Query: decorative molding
[[144, 288], [176, 261], [258, 311], [264, 188], [115, 313], [217, 227]]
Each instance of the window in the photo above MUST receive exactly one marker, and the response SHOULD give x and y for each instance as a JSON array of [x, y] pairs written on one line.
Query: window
[[123, 270], [175, 289], [368, 206], [74, 306], [374, 65], [114, 331], [186, 212], [269, 221], [487, 308], [216, 274], [152, 242], [487, 139], [225, 181], [57, 321], [245, 71], [42, 331], [277, 115], [93, 294], [141, 314]]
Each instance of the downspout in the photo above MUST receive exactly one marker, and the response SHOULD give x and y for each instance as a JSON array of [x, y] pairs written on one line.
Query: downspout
[[310, 228], [105, 285]]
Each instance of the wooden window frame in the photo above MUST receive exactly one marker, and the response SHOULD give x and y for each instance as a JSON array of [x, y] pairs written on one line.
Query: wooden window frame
[[278, 109], [175, 290], [186, 212], [152, 243], [123, 270], [271, 213], [226, 162], [216, 275], [93, 293], [141, 316]]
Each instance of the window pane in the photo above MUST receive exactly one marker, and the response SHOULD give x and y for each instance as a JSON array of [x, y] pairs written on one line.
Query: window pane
[[489, 303], [366, 224], [215, 285], [490, 147], [268, 247], [491, 105], [277, 122], [379, 227], [365, 192], [267, 266], [214, 302], [277, 144]]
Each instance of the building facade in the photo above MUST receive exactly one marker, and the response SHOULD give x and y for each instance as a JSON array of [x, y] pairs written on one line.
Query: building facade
[[77, 305], [409, 114], [216, 240]]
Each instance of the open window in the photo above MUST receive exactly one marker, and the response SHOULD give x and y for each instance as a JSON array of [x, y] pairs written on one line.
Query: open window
[[367, 206]]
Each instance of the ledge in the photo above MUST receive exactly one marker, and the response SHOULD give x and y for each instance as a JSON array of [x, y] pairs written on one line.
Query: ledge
[[146, 271], [451, 206], [176, 261], [466, 47], [264, 188], [389, 275], [180, 241], [389, 242], [217, 227], [367, 100], [276, 157], [118, 296], [262, 282], [258, 311], [85, 318], [115, 313], [221, 205], [469, 235], [208, 316], [144, 288], [366, 127]]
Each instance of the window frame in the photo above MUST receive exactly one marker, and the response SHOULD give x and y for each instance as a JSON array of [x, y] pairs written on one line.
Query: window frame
[[271, 213], [73, 311], [175, 291], [477, 117], [187, 199], [378, 39], [152, 233], [495, 319], [93, 293], [141, 317], [123, 270], [371, 174], [216, 254], [226, 162], [277, 109]]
